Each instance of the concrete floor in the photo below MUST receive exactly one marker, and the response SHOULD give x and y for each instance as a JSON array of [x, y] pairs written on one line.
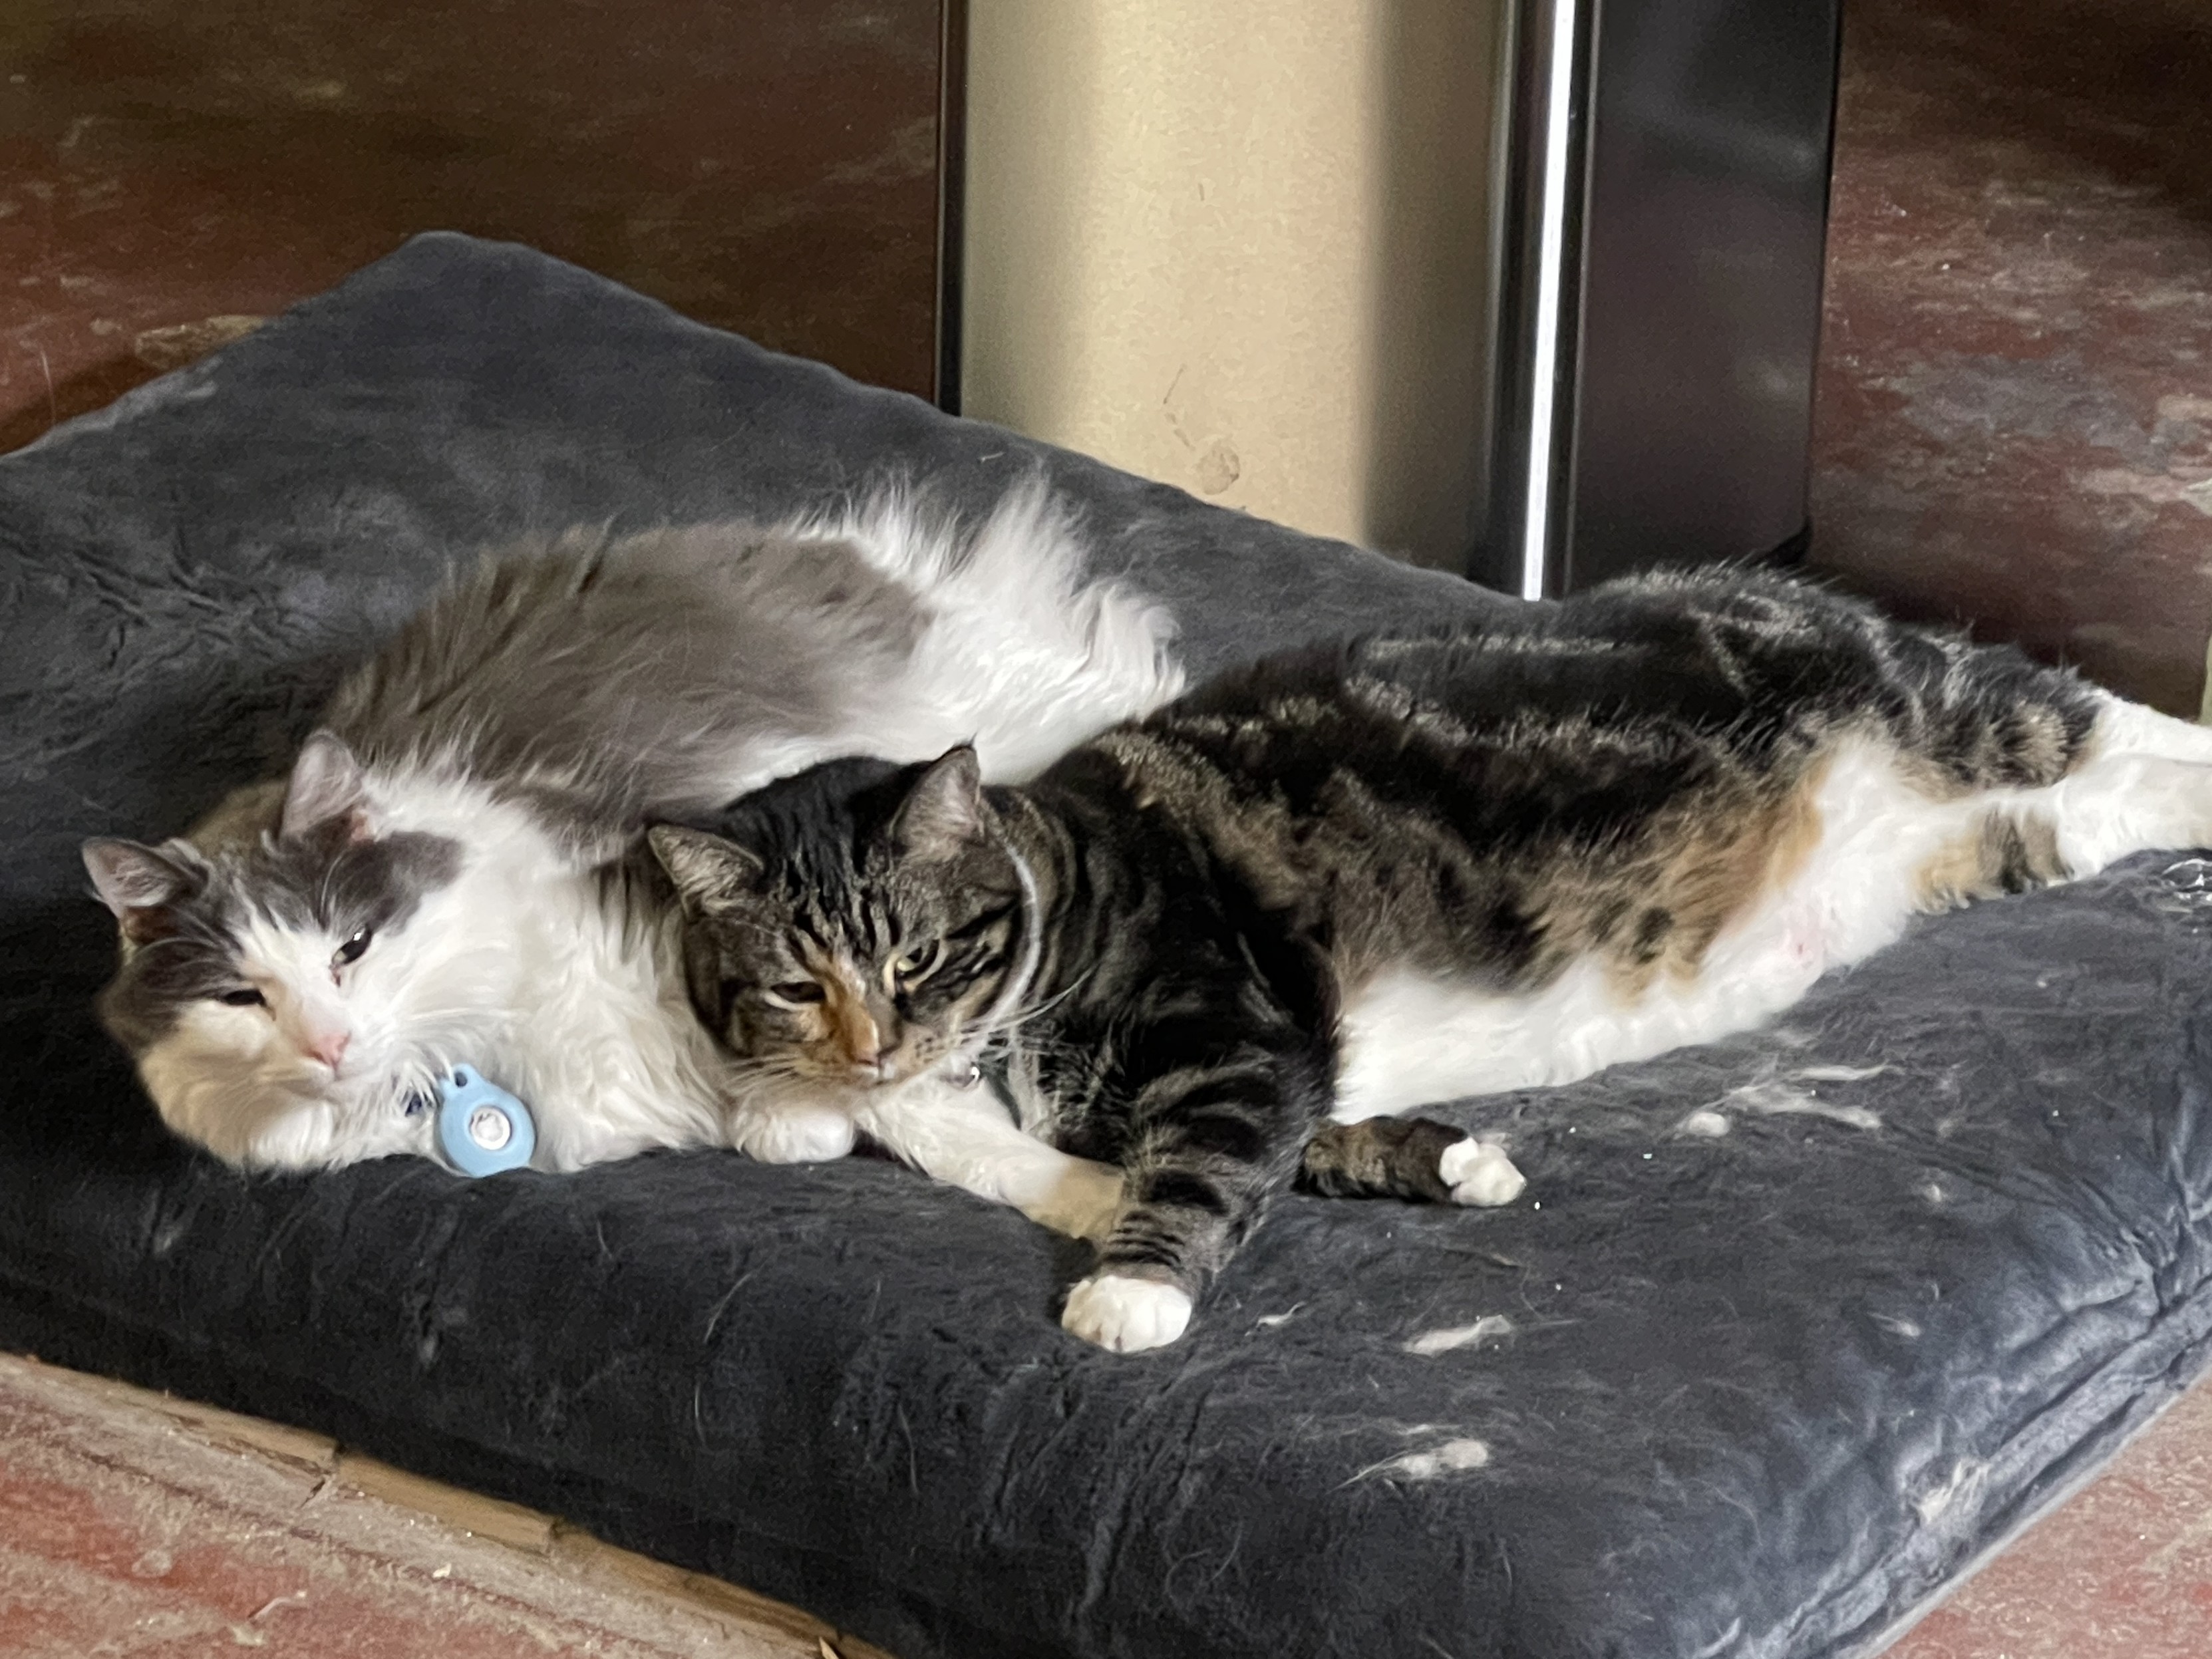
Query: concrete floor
[[766, 166], [2123, 1570], [135, 1525], [2014, 419]]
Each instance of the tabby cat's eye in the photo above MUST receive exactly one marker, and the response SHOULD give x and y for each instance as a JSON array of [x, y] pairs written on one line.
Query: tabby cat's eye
[[921, 962], [795, 992], [244, 997], [351, 949]]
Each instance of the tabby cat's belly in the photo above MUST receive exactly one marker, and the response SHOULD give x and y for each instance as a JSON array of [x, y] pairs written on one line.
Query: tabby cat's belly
[[1410, 1038]]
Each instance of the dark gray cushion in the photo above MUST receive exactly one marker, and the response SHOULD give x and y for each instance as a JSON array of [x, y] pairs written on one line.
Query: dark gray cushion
[[1758, 1394]]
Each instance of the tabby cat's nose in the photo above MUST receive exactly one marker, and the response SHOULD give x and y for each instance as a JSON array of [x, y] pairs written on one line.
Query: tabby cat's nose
[[329, 1048], [866, 1034]]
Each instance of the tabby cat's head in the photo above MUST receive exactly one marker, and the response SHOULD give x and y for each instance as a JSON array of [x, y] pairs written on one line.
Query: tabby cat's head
[[851, 927]]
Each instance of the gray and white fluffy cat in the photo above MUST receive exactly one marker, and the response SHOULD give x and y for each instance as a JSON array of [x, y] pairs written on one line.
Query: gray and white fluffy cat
[[1214, 947], [441, 878]]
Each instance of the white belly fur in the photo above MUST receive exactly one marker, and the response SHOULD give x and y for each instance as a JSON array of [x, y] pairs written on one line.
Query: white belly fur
[[1410, 1038]]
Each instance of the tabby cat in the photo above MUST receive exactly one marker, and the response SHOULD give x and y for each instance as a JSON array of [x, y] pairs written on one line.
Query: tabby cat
[[1415, 866]]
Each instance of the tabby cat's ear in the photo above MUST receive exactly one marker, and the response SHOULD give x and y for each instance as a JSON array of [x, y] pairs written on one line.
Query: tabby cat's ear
[[943, 813], [140, 883], [327, 783], [710, 874]]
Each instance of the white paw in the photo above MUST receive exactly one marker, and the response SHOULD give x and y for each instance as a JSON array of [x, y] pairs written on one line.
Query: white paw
[[1124, 1315], [797, 1134], [1084, 1200], [1479, 1172]]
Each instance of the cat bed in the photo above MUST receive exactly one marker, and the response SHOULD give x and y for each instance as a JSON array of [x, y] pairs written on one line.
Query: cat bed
[[1785, 1335]]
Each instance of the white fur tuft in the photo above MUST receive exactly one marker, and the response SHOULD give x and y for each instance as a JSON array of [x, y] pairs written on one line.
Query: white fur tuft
[[1448, 1457], [1024, 656], [1491, 1328]]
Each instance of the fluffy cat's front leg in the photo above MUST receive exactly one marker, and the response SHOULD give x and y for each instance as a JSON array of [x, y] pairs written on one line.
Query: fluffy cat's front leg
[[964, 1138]]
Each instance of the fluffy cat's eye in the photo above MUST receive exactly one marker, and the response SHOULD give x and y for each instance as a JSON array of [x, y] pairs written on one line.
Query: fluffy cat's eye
[[794, 992], [351, 950], [918, 962], [244, 997]]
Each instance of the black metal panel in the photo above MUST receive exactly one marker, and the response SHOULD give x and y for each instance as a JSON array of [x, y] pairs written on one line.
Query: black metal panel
[[1538, 197], [951, 195], [1685, 336]]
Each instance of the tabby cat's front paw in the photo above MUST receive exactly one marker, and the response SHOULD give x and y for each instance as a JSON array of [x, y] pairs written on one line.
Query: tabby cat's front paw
[[815, 1134], [1479, 1173], [1126, 1315]]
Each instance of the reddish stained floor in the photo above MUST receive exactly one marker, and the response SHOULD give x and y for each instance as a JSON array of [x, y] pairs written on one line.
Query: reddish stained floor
[[125, 1531], [767, 165], [2014, 420], [2124, 1569]]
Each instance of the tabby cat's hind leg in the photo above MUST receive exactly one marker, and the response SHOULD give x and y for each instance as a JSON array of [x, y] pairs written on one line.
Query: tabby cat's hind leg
[[2129, 729], [2116, 804], [2142, 781], [1408, 1157]]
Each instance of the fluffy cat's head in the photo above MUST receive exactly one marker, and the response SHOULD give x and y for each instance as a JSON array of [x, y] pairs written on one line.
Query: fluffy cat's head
[[265, 965], [851, 927]]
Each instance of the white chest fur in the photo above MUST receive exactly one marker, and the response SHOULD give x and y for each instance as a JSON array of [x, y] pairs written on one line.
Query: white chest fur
[[528, 968]]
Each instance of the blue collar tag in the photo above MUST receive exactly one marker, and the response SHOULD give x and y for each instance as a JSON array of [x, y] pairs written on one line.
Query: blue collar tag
[[482, 1128]]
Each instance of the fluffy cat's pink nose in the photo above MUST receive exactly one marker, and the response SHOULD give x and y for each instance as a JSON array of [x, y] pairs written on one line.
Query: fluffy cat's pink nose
[[329, 1048]]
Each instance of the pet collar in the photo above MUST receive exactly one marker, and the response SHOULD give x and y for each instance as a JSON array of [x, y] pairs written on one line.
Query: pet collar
[[482, 1128]]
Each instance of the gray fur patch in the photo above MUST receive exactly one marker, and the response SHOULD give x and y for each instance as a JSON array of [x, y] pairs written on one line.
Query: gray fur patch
[[184, 947], [600, 679]]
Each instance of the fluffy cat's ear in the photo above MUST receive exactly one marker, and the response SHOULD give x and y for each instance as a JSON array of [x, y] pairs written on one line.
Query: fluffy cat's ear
[[710, 873], [327, 783], [139, 884], [943, 813]]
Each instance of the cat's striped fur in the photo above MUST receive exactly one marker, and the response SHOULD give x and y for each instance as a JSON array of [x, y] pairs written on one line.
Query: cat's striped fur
[[1356, 877]]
